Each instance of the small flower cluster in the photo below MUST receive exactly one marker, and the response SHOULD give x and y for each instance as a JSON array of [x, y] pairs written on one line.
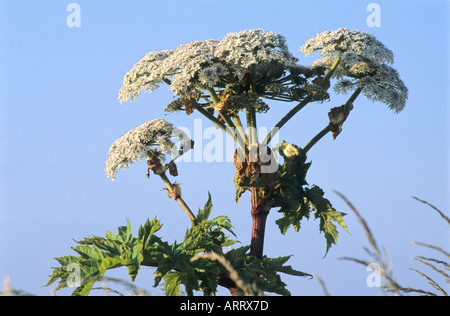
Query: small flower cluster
[[364, 60], [153, 138]]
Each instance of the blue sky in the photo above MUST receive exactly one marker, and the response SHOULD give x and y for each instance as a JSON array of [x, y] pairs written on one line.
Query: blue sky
[[59, 114]]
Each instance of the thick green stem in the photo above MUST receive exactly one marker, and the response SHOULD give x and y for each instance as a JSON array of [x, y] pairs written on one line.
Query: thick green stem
[[318, 137], [240, 128], [330, 72], [213, 95], [212, 118], [284, 120], [231, 128], [223, 114], [354, 95], [251, 125]]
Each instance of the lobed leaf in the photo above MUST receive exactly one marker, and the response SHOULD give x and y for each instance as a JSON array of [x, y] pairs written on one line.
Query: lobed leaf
[[297, 200]]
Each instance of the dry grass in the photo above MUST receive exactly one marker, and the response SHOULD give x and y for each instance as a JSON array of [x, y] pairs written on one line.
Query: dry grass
[[247, 289], [391, 286]]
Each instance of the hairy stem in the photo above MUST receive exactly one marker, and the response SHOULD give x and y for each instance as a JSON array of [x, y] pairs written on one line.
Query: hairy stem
[[178, 198], [318, 137], [329, 127], [251, 125], [260, 211]]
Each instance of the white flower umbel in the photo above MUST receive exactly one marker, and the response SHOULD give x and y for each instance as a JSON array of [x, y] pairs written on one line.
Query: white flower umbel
[[363, 65], [143, 142], [386, 87], [146, 75], [208, 64], [194, 64], [245, 50], [263, 58], [332, 43], [351, 65], [378, 83]]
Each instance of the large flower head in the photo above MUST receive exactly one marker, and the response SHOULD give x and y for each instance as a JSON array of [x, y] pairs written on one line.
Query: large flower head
[[254, 56], [379, 83], [194, 64], [146, 75], [253, 50], [259, 62], [332, 43], [153, 138], [363, 64]]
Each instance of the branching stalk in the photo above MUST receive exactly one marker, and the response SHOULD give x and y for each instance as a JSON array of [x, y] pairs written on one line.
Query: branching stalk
[[302, 104], [354, 95], [329, 127], [213, 119], [228, 122], [318, 137]]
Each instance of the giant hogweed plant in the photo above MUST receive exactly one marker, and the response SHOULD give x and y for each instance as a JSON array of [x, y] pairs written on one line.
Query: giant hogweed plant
[[229, 82]]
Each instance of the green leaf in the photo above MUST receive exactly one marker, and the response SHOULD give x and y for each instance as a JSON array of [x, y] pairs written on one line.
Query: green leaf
[[327, 226], [296, 200], [125, 235], [338, 218], [264, 272], [237, 253], [89, 252], [172, 284], [148, 229], [109, 263], [289, 270], [327, 215], [84, 289], [133, 260], [203, 214], [97, 255], [283, 224]]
